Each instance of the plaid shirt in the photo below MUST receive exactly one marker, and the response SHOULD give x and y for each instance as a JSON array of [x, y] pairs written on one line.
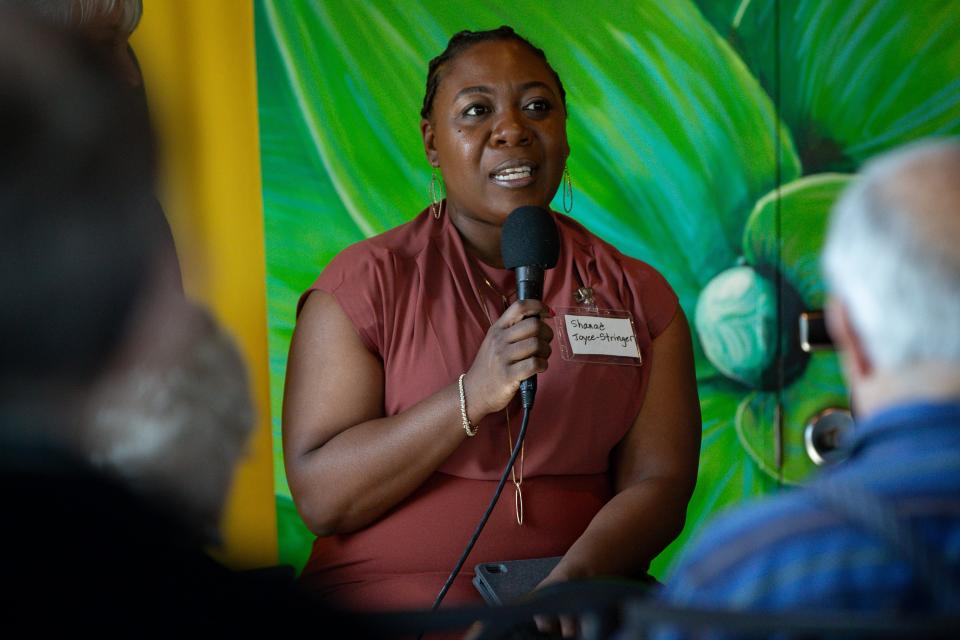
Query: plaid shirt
[[792, 552]]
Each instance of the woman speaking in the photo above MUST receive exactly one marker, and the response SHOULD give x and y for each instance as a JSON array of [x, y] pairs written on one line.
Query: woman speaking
[[400, 406]]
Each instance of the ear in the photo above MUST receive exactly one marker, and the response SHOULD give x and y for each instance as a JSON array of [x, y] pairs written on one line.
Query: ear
[[429, 142], [847, 339]]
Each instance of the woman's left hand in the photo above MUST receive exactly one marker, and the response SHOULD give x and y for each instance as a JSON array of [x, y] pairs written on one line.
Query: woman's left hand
[[566, 625]]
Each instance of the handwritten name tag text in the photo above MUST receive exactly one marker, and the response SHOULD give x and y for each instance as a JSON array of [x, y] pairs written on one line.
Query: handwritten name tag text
[[590, 335]]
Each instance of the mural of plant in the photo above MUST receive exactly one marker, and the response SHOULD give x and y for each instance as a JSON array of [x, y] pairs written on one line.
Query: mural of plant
[[850, 79], [709, 143]]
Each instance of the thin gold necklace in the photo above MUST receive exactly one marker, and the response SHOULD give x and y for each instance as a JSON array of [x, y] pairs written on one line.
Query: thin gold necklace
[[517, 492]]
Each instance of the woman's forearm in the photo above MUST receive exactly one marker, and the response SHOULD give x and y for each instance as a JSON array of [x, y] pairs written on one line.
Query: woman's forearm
[[363, 471], [628, 532]]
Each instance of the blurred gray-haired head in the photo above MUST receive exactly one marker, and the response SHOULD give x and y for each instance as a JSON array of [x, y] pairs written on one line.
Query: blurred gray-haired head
[[105, 25], [892, 255], [82, 13], [173, 426]]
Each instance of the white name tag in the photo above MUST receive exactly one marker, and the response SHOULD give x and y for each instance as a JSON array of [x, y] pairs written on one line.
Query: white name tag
[[593, 335]]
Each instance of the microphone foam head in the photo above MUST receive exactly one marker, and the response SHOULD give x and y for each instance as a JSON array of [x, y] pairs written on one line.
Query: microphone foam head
[[529, 238]]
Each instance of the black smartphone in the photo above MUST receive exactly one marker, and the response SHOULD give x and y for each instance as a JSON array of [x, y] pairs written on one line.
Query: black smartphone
[[505, 582]]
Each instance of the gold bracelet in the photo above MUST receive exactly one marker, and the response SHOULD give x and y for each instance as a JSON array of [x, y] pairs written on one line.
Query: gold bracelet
[[469, 428]]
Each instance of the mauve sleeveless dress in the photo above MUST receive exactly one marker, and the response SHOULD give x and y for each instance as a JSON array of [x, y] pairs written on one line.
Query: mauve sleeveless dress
[[414, 296]]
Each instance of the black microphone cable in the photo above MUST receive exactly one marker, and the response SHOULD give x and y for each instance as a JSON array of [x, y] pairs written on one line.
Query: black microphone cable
[[529, 244], [486, 514]]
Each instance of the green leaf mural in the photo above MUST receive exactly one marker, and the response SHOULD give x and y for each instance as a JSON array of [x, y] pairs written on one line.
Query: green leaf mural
[[746, 311], [678, 157], [819, 387], [802, 209], [783, 237], [856, 77], [723, 14]]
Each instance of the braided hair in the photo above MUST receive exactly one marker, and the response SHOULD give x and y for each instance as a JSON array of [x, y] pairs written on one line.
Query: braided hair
[[462, 41]]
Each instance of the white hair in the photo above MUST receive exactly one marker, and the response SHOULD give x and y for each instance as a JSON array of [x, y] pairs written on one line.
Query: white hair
[[892, 255], [174, 430], [79, 13]]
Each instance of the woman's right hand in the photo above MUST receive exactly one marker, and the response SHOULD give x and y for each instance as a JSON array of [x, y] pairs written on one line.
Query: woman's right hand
[[516, 347]]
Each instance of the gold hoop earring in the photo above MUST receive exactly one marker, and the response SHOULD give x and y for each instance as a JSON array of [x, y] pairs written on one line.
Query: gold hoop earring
[[437, 195], [567, 191]]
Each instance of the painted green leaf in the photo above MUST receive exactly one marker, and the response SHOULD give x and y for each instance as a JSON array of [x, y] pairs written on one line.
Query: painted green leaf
[[857, 77], [820, 387], [671, 139], [300, 202], [726, 476], [295, 540], [804, 212], [722, 14]]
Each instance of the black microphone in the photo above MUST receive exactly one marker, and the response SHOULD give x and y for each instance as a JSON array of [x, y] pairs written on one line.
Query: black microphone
[[529, 244]]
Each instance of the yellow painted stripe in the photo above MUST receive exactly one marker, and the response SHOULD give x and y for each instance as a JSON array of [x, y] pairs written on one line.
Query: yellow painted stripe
[[199, 67]]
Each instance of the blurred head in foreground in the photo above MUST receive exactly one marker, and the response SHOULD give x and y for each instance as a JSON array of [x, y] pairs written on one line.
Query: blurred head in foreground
[[87, 303], [892, 262], [105, 25], [75, 250], [173, 425]]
